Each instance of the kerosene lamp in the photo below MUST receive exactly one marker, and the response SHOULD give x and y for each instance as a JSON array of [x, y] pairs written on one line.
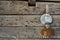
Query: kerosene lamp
[[46, 20]]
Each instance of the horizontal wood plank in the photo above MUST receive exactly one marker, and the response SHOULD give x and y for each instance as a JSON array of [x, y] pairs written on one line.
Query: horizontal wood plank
[[6, 39], [20, 7], [26, 20], [25, 32], [9, 20], [38, 39]]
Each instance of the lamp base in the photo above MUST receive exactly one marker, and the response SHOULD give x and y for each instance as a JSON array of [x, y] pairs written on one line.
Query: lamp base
[[47, 32]]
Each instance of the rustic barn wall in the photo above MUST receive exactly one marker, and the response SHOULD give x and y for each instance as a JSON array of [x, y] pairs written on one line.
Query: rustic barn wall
[[18, 21]]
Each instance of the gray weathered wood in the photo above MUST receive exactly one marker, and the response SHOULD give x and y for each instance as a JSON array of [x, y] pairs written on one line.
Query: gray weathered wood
[[38, 39], [6, 39], [26, 20], [25, 32], [20, 7], [26, 27], [52, 0], [11, 20]]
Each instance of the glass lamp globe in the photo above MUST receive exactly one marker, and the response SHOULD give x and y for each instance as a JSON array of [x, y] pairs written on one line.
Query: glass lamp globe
[[46, 18]]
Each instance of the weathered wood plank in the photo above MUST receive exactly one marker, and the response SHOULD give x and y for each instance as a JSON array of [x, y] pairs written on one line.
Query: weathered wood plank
[[11, 20], [6, 39], [25, 32], [27, 39], [20, 7], [12, 32], [26, 20], [38, 39], [52, 0]]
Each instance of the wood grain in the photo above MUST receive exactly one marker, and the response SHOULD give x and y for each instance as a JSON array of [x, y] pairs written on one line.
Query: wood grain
[[25, 32], [20, 7], [6, 39], [38, 39], [26, 20], [18, 21]]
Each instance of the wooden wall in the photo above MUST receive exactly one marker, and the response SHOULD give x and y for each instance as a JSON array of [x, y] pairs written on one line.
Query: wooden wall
[[18, 21]]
